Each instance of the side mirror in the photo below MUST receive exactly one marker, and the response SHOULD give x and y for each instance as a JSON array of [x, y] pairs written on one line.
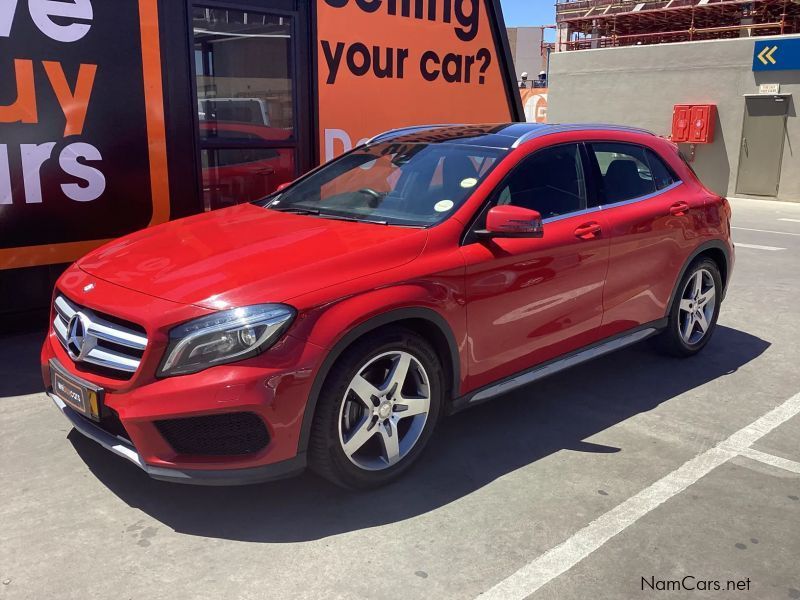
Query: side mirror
[[283, 186], [512, 222]]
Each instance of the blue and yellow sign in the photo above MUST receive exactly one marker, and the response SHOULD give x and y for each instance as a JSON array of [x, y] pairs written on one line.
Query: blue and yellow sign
[[777, 55]]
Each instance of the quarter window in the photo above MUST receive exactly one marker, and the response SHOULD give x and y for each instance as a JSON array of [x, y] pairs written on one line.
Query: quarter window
[[624, 172], [550, 181], [662, 175]]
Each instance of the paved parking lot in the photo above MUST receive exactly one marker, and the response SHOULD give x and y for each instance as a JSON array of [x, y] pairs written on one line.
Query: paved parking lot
[[631, 471]]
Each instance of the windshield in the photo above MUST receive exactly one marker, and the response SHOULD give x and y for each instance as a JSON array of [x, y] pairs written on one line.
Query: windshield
[[397, 184]]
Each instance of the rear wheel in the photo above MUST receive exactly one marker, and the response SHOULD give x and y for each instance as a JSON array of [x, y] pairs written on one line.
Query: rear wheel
[[377, 410], [694, 311]]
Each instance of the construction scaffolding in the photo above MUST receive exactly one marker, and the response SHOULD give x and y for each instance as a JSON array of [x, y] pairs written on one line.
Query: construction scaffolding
[[587, 24]]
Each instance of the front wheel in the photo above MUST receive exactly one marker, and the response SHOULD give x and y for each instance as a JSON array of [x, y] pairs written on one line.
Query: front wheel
[[377, 410], [694, 311]]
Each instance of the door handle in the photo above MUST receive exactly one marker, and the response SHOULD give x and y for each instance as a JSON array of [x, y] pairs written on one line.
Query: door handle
[[679, 209], [588, 231]]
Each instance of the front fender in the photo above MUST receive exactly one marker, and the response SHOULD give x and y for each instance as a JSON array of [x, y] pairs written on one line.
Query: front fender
[[336, 326]]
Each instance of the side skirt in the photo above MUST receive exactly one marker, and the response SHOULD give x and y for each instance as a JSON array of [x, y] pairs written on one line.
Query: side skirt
[[559, 364]]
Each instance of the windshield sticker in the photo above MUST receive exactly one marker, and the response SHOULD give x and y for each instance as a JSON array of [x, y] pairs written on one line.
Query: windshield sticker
[[468, 182], [443, 205]]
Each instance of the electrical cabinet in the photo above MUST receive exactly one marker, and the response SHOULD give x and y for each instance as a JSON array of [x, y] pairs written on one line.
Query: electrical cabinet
[[693, 123]]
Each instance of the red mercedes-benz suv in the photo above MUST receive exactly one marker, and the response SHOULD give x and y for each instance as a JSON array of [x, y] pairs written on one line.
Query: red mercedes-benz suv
[[333, 323]]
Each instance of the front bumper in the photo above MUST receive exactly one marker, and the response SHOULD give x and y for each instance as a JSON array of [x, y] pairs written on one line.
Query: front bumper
[[126, 450], [274, 387]]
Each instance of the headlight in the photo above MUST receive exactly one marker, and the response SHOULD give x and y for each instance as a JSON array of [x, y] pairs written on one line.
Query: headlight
[[224, 337]]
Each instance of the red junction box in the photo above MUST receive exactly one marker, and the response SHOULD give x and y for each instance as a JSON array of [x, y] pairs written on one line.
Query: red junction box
[[693, 123]]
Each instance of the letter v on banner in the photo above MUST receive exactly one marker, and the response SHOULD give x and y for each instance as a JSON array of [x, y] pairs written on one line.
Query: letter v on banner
[[8, 9]]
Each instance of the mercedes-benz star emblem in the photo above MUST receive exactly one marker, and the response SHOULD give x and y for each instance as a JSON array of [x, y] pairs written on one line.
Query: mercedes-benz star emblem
[[76, 337]]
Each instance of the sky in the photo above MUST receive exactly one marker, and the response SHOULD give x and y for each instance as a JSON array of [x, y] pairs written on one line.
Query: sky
[[519, 13]]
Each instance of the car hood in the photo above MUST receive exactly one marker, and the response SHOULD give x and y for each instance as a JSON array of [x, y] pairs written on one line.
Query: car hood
[[247, 255]]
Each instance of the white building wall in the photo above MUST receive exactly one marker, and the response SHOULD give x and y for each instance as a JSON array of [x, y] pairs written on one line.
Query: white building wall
[[639, 85]]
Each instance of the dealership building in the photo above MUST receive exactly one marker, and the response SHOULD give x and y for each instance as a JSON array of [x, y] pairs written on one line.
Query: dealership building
[[121, 115]]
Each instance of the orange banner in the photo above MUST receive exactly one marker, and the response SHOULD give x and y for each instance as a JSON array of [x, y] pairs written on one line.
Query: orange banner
[[85, 180], [534, 103], [393, 63]]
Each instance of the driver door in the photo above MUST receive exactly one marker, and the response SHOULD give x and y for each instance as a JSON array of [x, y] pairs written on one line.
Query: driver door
[[531, 300]]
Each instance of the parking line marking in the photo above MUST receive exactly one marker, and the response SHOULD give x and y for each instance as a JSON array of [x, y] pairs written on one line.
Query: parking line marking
[[570, 552], [772, 460], [790, 220], [757, 247], [766, 231]]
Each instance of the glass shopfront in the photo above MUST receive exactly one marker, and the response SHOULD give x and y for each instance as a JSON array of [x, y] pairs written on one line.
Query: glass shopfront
[[246, 89]]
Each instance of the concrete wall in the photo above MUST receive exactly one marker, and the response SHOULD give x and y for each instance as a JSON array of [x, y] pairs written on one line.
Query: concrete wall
[[526, 49], [511, 32], [639, 85]]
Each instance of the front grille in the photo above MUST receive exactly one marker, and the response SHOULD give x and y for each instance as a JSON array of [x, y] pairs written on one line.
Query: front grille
[[215, 435], [101, 343]]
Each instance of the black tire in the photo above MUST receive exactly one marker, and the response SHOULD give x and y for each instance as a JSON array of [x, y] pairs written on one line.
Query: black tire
[[670, 340], [326, 454]]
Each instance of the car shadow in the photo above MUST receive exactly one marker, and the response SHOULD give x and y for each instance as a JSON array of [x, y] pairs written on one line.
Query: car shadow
[[470, 450]]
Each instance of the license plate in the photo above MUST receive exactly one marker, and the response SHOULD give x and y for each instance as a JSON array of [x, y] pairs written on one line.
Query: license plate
[[78, 395]]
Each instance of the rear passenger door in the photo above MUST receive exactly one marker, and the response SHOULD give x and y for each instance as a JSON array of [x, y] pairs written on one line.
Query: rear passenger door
[[648, 213]]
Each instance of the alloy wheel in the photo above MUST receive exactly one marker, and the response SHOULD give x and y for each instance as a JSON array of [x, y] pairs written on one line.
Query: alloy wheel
[[698, 302], [384, 410]]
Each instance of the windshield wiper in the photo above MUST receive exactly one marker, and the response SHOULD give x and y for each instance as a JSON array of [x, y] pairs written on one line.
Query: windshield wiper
[[349, 218], [299, 210]]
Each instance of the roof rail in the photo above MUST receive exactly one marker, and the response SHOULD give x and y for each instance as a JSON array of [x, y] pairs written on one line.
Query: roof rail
[[551, 129], [393, 133]]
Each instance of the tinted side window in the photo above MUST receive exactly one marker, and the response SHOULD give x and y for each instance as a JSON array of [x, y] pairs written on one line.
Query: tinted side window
[[549, 181], [662, 175], [624, 171]]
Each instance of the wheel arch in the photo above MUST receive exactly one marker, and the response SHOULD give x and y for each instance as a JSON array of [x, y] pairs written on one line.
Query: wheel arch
[[717, 251], [425, 321], [719, 256]]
